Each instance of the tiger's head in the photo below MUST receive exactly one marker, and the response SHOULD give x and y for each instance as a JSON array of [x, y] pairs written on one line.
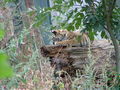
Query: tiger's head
[[60, 34]]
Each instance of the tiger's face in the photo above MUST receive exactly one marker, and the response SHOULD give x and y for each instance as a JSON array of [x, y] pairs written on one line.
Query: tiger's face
[[59, 35], [59, 32]]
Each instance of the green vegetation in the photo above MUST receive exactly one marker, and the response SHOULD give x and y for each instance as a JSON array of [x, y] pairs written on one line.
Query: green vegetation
[[94, 16], [27, 69], [2, 34], [5, 69]]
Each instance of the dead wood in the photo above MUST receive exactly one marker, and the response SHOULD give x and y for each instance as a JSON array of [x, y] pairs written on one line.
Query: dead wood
[[99, 57], [70, 59]]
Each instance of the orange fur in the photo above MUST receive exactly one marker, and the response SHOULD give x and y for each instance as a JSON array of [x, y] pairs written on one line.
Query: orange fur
[[71, 38]]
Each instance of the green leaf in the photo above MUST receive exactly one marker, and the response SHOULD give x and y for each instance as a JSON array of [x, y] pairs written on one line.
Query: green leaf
[[71, 3], [91, 35], [61, 85], [2, 34], [5, 69], [58, 1], [103, 35], [88, 1], [9, 0], [70, 27]]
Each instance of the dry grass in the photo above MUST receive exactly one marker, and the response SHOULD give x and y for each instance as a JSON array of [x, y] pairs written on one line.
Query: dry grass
[[35, 72], [36, 80]]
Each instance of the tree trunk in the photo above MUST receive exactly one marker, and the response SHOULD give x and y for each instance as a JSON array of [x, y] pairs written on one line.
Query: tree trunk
[[108, 10]]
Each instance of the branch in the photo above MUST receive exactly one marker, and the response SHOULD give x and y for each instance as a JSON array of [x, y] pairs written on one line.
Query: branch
[[113, 5]]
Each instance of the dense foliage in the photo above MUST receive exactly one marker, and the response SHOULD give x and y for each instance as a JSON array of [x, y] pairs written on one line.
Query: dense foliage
[[31, 70], [92, 16]]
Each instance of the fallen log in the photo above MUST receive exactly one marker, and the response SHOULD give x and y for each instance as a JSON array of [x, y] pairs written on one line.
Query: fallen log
[[70, 59], [74, 62]]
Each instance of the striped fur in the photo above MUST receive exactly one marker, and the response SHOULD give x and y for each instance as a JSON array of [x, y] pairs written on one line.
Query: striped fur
[[70, 38]]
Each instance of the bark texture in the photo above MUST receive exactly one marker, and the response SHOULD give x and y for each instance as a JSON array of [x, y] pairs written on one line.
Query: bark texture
[[70, 59]]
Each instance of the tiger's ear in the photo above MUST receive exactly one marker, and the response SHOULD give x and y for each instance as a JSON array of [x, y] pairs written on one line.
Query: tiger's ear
[[54, 32]]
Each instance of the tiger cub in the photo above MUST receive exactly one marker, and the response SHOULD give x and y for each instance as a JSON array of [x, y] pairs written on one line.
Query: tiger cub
[[70, 38]]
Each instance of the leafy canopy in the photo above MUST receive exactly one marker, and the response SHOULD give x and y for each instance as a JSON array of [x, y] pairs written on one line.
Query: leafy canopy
[[86, 14]]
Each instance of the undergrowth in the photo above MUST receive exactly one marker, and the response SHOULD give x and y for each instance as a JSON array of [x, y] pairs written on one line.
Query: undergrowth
[[33, 72]]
